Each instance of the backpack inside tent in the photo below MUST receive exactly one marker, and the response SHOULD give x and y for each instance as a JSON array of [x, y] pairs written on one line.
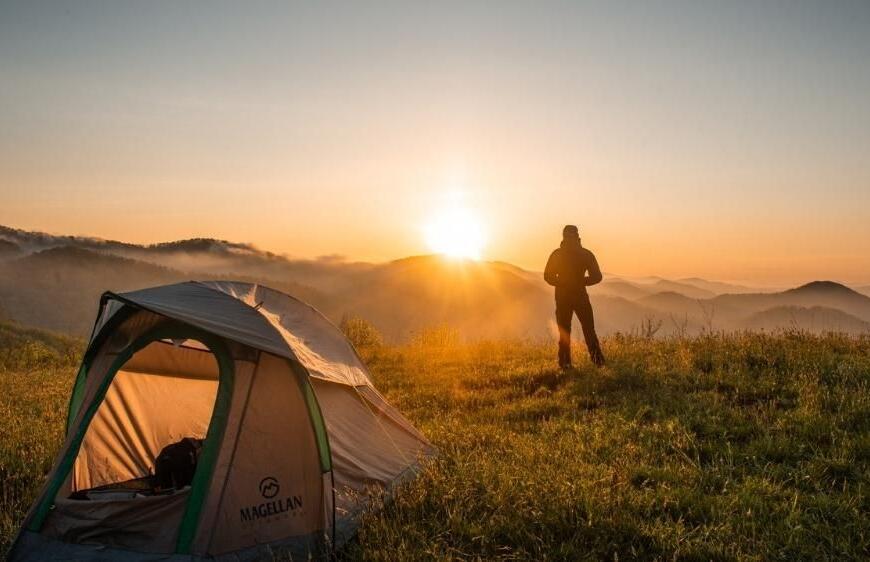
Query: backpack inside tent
[[216, 420]]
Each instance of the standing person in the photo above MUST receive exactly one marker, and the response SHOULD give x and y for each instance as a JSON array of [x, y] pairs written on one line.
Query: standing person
[[567, 271]]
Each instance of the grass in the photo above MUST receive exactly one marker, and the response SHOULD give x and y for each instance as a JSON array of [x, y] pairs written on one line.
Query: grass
[[36, 375], [737, 447], [723, 447]]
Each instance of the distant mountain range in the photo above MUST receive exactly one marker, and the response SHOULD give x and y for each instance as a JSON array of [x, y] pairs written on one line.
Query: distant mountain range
[[54, 282]]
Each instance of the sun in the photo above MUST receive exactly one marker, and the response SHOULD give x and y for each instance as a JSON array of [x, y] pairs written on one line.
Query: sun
[[455, 232]]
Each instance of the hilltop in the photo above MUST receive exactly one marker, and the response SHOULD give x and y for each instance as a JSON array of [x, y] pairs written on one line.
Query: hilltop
[[721, 447]]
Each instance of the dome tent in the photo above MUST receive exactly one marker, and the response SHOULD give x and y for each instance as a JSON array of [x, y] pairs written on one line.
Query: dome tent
[[295, 440]]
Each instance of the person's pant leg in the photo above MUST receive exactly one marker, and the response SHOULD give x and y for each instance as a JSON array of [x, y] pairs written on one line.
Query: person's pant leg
[[587, 322], [564, 315]]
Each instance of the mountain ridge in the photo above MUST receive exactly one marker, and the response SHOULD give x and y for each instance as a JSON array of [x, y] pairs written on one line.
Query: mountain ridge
[[56, 287]]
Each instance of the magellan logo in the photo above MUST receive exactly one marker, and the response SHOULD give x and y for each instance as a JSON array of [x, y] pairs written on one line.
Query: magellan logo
[[270, 510], [269, 487]]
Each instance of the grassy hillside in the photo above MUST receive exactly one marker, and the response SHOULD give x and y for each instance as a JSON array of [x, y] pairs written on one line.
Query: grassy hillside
[[36, 375], [747, 447], [717, 448], [23, 350]]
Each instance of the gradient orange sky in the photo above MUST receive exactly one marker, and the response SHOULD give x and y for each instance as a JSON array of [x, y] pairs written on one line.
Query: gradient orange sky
[[686, 139]]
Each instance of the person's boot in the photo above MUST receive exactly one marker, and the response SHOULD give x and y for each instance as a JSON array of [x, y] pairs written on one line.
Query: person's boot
[[597, 358]]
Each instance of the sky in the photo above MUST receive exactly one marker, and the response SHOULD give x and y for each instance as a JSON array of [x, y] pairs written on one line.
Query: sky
[[726, 140]]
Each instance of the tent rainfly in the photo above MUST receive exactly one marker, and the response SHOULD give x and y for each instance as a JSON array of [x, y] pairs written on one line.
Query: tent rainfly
[[285, 437]]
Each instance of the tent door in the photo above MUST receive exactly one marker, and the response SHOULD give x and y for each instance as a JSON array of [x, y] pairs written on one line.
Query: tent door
[[126, 424]]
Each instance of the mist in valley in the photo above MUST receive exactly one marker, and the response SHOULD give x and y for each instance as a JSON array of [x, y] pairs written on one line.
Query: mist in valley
[[55, 282]]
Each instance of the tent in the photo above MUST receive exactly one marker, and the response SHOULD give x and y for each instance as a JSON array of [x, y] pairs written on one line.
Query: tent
[[295, 440]]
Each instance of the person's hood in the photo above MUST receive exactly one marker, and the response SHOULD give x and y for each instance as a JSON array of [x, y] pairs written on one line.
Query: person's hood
[[571, 244]]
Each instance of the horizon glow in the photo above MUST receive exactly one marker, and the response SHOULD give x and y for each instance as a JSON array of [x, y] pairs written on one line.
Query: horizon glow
[[718, 140]]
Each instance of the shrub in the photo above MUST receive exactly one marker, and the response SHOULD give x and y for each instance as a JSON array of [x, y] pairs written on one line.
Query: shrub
[[361, 333]]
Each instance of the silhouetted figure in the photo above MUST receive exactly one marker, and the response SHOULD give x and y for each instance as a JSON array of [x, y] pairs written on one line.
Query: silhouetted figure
[[567, 270]]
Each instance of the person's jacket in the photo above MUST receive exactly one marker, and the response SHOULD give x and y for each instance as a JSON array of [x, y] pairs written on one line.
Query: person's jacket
[[567, 269]]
